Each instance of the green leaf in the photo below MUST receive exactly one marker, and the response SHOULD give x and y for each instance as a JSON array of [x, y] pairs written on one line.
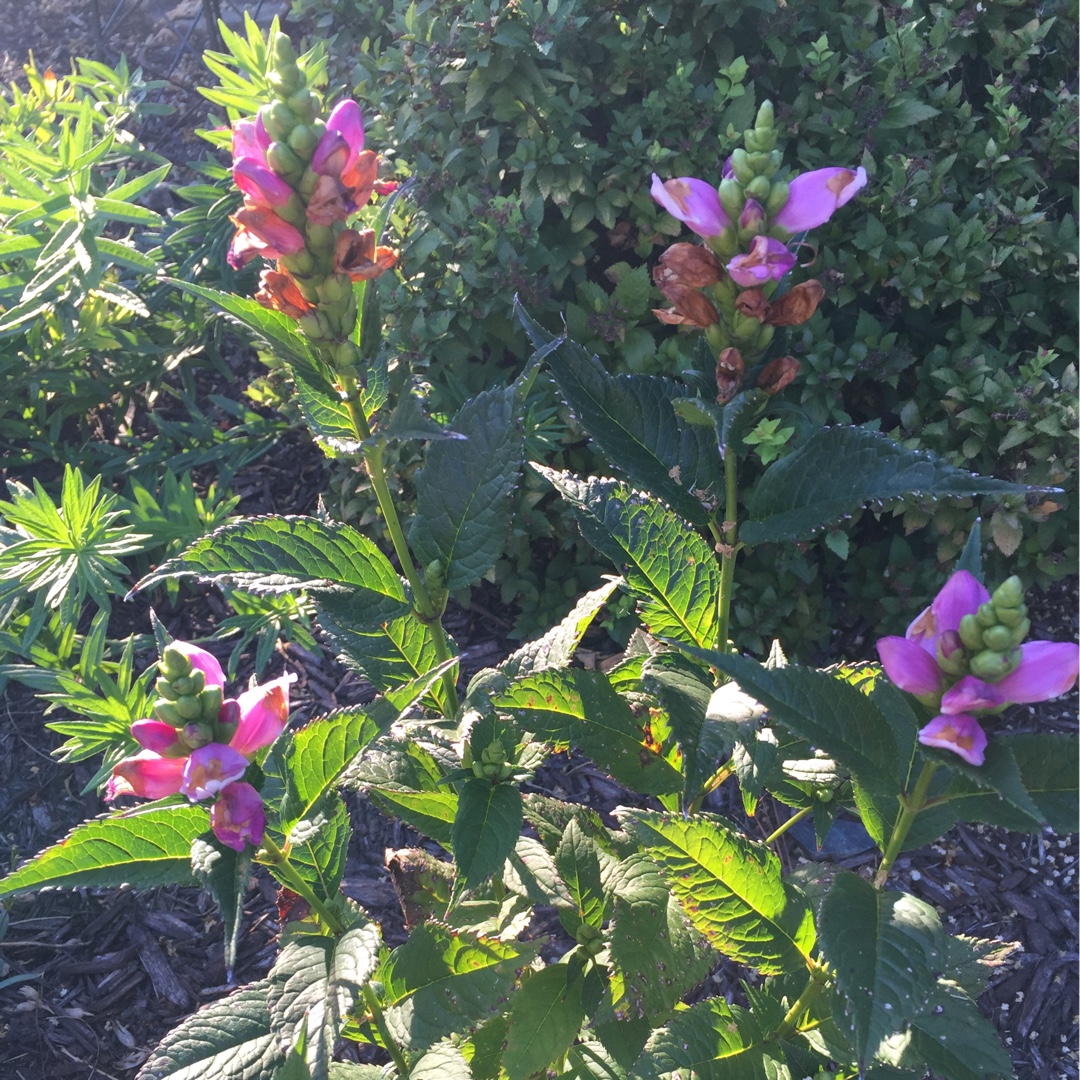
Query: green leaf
[[839, 470], [443, 980], [531, 872], [578, 861], [463, 503], [486, 829], [731, 889], [669, 568], [442, 1062], [580, 708], [557, 647], [632, 419], [141, 847], [286, 554], [885, 948], [545, 1017], [953, 1038], [713, 1041], [327, 417], [829, 713], [226, 874], [319, 845], [656, 956]]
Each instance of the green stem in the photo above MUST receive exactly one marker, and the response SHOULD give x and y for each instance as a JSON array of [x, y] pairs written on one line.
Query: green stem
[[711, 785], [728, 549], [278, 861], [910, 806], [787, 824], [819, 980], [392, 1048], [424, 607]]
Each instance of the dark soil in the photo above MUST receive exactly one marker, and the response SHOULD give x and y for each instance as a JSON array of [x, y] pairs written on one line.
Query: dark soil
[[90, 980]]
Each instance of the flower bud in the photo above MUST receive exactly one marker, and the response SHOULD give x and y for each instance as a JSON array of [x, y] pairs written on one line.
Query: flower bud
[[752, 217], [760, 162], [740, 167], [759, 188], [278, 119], [992, 666], [1009, 594], [302, 141], [1012, 616], [299, 265], [732, 197], [951, 654], [998, 638], [777, 374], [730, 368], [174, 663], [304, 104], [188, 707], [227, 721], [210, 700], [284, 162], [167, 711], [766, 118], [971, 633], [1020, 631], [165, 689], [986, 615], [778, 197], [196, 735]]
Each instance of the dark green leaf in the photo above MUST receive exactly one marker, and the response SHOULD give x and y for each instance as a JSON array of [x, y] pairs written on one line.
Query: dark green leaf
[[999, 775], [545, 1017], [578, 863], [442, 1062], [486, 829], [953, 1038], [226, 874], [319, 844]]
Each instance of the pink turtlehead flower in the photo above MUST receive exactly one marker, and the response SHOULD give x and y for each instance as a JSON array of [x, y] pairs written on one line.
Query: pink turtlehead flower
[[238, 816], [768, 259], [210, 769], [814, 197], [695, 203], [260, 184], [146, 774], [960, 733], [154, 735], [264, 712], [250, 139], [261, 232], [205, 661], [342, 141]]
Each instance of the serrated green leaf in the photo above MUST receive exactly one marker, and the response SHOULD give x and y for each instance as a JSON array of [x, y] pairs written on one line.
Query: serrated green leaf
[[656, 956], [226, 874], [580, 708], [327, 417], [826, 711], [531, 872], [669, 568], [140, 847], [953, 1038], [442, 981], [441, 1062], [578, 862], [999, 774], [588, 1060], [286, 554], [714, 1041], [632, 420], [462, 493], [486, 829], [318, 845], [885, 948], [545, 1017], [839, 470], [731, 889]]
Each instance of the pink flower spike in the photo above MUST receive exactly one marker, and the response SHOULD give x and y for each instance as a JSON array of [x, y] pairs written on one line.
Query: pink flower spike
[[814, 197], [959, 733], [909, 666], [342, 142], [249, 139], [148, 775], [260, 184], [205, 661], [1047, 670], [154, 735], [971, 695], [767, 259], [264, 712], [211, 768], [693, 202], [238, 817]]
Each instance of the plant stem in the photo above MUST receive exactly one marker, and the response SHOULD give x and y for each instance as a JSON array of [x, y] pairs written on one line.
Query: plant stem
[[379, 1020], [787, 824], [819, 980], [728, 549], [711, 785], [910, 806], [279, 862]]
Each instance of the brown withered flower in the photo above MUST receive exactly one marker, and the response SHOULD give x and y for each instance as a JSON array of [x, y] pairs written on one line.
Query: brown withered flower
[[279, 292], [355, 254], [689, 308], [777, 374], [730, 368], [688, 264], [752, 304], [791, 309]]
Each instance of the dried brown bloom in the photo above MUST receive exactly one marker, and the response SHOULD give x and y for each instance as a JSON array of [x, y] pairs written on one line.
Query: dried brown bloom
[[796, 305], [752, 303], [355, 254], [729, 373], [279, 292], [777, 374], [689, 307], [688, 264]]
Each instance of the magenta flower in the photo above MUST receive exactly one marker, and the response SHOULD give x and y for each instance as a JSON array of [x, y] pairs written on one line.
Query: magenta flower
[[342, 141], [693, 202], [260, 184], [238, 817], [814, 197], [147, 774], [932, 662], [261, 232], [211, 768], [264, 712], [768, 259], [155, 735]]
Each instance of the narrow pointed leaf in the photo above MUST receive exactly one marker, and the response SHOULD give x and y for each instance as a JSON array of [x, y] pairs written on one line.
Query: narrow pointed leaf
[[545, 1017], [731, 889], [839, 470], [226, 874]]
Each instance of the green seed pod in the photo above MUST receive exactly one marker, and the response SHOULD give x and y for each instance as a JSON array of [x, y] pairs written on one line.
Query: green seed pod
[[174, 664], [284, 162], [740, 166], [759, 188], [168, 712], [210, 699], [1009, 594], [1011, 616], [998, 638], [986, 615], [188, 707], [165, 689], [303, 140], [971, 633], [732, 198]]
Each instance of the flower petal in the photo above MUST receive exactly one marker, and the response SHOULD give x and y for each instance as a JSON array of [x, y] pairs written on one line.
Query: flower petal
[[768, 259], [909, 666], [154, 735], [264, 712], [961, 734], [148, 775], [693, 202], [280, 237], [341, 142], [971, 695], [205, 661], [211, 768], [1047, 670], [815, 196], [249, 139], [261, 185], [238, 816], [961, 595]]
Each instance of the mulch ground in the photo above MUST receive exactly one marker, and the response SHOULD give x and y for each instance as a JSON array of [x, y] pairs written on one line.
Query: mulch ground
[[90, 980]]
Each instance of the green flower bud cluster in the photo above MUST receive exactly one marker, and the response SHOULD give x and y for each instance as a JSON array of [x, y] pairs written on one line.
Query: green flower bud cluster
[[493, 764], [753, 167], [590, 938], [186, 703], [990, 638], [292, 119]]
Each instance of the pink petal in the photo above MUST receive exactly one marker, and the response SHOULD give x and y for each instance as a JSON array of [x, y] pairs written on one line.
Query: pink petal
[[342, 142], [148, 775], [264, 712], [154, 735], [260, 184], [961, 595], [814, 197], [211, 768], [244, 247], [971, 695], [238, 816], [693, 202], [961, 734], [249, 139], [767, 259], [909, 666], [1047, 670], [280, 237], [205, 661]]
